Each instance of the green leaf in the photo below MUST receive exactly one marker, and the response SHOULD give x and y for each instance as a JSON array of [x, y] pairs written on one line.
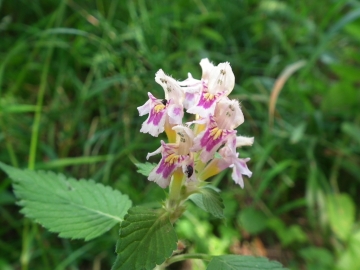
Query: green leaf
[[145, 168], [147, 238], [234, 262], [341, 213], [210, 201], [253, 221], [74, 209], [349, 259]]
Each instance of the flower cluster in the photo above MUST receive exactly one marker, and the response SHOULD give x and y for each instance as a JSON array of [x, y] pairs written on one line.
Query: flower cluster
[[205, 146]]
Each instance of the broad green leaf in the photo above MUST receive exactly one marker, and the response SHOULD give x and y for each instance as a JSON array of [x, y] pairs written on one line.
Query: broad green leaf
[[253, 221], [145, 168], [210, 201], [235, 262], [349, 259], [341, 213], [74, 209], [147, 238]]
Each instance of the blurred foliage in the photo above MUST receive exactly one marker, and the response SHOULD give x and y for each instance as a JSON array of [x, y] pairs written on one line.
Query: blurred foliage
[[73, 72]]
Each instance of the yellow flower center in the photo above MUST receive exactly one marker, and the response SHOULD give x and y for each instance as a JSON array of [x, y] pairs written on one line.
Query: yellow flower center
[[209, 96], [159, 108], [216, 132], [171, 159]]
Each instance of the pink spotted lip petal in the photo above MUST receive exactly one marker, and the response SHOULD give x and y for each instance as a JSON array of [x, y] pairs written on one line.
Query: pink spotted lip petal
[[230, 157], [175, 113], [144, 109], [192, 89], [207, 100], [206, 104], [210, 145], [240, 169], [208, 142], [156, 116], [211, 139], [156, 108], [189, 100], [169, 162], [165, 170]]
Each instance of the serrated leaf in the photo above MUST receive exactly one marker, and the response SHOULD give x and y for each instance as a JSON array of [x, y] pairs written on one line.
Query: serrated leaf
[[235, 262], [210, 201], [145, 168], [74, 209], [147, 238]]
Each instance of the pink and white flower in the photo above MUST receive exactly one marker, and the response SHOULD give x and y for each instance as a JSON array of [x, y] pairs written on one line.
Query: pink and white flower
[[174, 155], [163, 111], [193, 87], [216, 82], [191, 154], [156, 108], [229, 158], [228, 116]]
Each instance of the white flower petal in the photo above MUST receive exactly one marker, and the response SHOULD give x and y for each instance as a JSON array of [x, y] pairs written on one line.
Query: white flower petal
[[222, 79], [244, 141]]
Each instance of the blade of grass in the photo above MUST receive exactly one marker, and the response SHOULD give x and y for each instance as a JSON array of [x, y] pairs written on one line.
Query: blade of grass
[[39, 104], [279, 84], [26, 249]]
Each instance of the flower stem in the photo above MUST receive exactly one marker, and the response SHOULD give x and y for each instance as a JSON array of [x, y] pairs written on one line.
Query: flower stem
[[183, 257], [174, 204], [170, 133], [175, 186]]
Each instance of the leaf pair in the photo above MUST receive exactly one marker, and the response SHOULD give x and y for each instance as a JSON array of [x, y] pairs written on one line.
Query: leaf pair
[[85, 209]]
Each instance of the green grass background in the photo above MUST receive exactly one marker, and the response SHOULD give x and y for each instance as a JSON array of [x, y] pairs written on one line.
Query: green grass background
[[73, 72]]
